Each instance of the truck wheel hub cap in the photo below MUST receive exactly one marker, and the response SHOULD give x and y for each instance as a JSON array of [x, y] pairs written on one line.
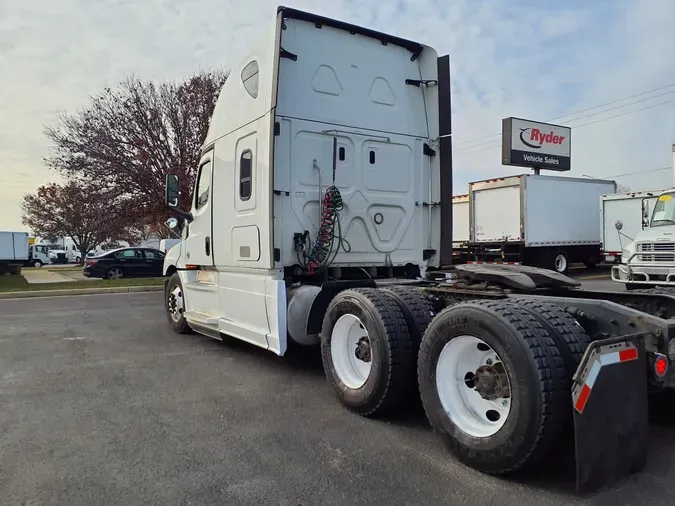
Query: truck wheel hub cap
[[175, 303], [350, 351], [473, 386]]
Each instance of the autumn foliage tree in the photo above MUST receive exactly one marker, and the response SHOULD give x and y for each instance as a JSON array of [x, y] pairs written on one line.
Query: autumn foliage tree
[[128, 139], [90, 215]]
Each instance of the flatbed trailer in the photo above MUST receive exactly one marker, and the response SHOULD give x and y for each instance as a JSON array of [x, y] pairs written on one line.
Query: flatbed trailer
[[304, 231]]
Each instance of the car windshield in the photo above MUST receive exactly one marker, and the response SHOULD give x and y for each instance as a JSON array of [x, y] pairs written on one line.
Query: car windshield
[[664, 211]]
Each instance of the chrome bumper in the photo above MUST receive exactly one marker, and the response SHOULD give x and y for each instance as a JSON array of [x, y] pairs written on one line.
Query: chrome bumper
[[649, 273]]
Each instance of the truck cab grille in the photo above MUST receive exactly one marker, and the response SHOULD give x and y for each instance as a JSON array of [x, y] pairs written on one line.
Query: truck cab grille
[[667, 250]]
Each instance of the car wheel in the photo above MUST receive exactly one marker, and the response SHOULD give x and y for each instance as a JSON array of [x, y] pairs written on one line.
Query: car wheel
[[115, 273]]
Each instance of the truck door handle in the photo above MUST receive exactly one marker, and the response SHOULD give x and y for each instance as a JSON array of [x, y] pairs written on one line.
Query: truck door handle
[[207, 246]]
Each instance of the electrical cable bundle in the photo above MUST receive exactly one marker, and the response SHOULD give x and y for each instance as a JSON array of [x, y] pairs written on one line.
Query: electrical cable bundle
[[330, 229]]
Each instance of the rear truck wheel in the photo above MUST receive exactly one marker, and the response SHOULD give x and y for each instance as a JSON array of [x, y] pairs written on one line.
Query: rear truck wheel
[[115, 273], [493, 385], [418, 312], [174, 302], [560, 261], [78, 260], [568, 335], [367, 351]]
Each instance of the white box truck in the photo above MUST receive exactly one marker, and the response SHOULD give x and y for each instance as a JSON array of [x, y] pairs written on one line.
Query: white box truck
[[323, 187], [460, 228], [14, 250], [630, 211], [545, 221]]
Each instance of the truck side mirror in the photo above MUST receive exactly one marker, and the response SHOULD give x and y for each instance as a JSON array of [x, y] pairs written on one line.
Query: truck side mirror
[[645, 213], [171, 191]]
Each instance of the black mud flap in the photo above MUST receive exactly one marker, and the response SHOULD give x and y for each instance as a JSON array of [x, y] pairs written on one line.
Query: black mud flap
[[611, 420]]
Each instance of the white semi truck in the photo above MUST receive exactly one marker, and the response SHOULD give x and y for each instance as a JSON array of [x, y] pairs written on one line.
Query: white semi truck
[[545, 221], [631, 211], [324, 183]]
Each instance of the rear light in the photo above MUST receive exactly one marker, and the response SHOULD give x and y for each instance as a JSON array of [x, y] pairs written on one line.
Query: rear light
[[90, 261], [660, 365]]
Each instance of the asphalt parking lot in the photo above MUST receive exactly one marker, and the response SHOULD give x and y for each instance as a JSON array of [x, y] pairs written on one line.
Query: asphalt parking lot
[[102, 404]]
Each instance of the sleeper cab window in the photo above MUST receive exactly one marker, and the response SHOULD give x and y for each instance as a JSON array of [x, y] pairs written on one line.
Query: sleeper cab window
[[249, 76], [245, 175], [203, 184]]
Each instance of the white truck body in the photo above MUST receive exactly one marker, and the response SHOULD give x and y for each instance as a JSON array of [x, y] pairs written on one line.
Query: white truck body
[[267, 162], [626, 208], [460, 228], [538, 219], [166, 244], [14, 247], [460, 219], [649, 260]]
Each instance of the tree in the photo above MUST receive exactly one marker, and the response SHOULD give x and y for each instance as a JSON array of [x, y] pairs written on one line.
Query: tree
[[127, 140], [89, 215]]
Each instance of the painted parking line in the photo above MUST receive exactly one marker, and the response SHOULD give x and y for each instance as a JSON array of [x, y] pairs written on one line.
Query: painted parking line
[[603, 276]]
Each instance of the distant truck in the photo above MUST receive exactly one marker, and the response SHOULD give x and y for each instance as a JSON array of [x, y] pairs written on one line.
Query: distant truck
[[460, 228], [14, 251], [648, 258], [631, 212], [543, 221]]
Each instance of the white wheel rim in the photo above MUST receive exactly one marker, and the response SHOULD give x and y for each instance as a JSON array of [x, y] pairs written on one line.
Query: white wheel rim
[[347, 333], [468, 410], [560, 263], [175, 303]]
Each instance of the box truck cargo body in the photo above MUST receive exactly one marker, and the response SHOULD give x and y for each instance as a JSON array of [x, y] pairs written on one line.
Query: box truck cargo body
[[460, 228], [546, 221], [14, 249], [631, 211]]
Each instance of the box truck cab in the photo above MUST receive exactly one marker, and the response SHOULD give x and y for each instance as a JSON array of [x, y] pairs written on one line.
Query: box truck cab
[[649, 260]]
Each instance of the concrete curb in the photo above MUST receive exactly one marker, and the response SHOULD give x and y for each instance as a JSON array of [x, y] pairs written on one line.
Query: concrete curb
[[80, 291]]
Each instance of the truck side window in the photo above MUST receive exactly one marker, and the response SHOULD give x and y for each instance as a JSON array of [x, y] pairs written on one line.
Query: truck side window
[[249, 76], [245, 175], [203, 185]]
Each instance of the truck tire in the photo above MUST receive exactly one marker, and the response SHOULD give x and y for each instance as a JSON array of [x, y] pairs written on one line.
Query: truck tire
[[507, 348], [367, 351], [560, 261], [37, 263], [417, 310], [570, 337], [174, 304]]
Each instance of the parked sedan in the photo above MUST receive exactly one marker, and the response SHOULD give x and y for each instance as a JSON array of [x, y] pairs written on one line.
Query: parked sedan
[[125, 262]]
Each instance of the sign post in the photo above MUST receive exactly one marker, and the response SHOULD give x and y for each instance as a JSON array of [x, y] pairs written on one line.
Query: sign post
[[537, 145]]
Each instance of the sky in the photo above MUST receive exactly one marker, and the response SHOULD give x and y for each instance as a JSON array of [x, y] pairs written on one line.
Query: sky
[[524, 58]]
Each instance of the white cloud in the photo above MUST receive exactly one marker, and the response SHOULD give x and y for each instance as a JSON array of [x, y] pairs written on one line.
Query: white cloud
[[521, 58]]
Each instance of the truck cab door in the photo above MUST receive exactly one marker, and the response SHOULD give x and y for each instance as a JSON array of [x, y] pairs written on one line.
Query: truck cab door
[[198, 245]]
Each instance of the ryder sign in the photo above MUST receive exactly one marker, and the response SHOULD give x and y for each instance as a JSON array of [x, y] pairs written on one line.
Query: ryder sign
[[532, 144]]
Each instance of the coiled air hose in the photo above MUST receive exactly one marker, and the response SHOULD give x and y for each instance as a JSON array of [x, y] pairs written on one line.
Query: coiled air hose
[[330, 229]]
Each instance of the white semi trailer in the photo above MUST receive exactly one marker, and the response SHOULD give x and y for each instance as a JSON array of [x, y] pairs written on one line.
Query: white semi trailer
[[324, 183]]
